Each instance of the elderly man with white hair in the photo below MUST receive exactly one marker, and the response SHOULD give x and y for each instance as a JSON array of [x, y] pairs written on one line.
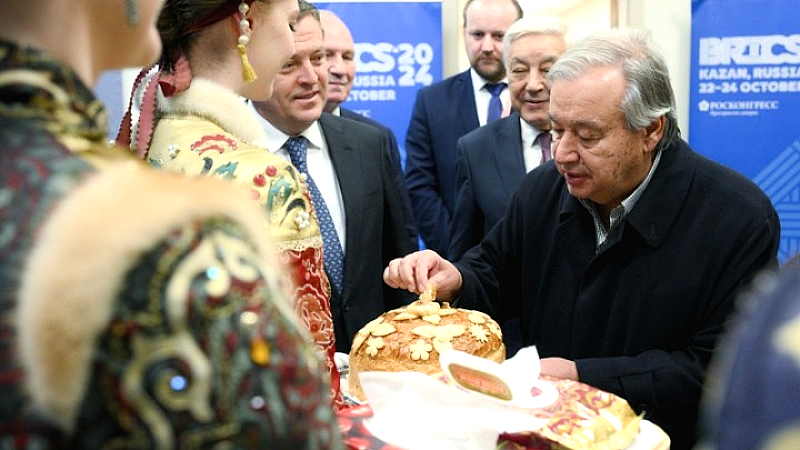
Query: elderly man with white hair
[[624, 257]]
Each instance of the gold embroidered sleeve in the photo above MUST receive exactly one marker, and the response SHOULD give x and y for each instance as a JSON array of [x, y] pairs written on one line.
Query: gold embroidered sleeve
[[271, 181]]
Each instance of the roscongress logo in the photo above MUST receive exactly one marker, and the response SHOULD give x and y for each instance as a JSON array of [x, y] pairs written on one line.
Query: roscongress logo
[[737, 107]]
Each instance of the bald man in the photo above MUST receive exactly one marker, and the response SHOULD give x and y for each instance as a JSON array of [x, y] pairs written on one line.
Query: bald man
[[340, 54]]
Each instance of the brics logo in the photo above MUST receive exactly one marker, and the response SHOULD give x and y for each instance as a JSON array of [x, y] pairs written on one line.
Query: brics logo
[[750, 50]]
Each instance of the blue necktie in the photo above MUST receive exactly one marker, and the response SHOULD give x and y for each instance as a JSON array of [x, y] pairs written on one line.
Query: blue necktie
[[495, 105], [297, 147]]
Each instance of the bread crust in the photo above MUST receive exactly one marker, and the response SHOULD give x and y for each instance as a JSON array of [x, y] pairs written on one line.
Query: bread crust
[[411, 338]]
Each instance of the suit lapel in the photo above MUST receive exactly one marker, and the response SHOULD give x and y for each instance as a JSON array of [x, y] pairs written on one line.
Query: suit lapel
[[347, 114], [507, 151], [347, 163], [464, 101]]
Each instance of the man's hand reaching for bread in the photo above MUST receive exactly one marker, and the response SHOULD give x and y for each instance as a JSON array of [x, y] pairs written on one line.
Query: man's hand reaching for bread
[[420, 270]]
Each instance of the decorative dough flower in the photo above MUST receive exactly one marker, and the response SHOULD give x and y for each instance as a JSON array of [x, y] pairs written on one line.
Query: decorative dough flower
[[495, 329], [373, 345], [479, 333], [476, 318], [420, 350]]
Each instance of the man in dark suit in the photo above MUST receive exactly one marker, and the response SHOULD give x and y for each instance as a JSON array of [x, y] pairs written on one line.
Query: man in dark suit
[[340, 53], [445, 111], [493, 159], [348, 166]]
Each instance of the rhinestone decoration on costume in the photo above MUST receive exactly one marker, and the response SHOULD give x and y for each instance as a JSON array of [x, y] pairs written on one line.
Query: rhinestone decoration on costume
[[297, 146], [52, 133]]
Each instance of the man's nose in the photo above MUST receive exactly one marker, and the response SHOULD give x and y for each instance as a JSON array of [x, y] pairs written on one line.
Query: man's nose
[[487, 44], [536, 81], [308, 72], [563, 147], [336, 63]]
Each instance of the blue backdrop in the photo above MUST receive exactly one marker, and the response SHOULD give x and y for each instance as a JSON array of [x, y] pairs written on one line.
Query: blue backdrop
[[745, 97], [398, 50]]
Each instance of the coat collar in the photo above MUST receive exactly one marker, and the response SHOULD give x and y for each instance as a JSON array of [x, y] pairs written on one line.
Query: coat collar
[[660, 204]]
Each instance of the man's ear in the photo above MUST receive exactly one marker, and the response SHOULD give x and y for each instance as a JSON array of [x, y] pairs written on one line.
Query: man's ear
[[653, 132]]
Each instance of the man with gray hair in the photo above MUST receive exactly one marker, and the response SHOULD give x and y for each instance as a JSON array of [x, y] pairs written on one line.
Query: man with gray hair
[[624, 258]]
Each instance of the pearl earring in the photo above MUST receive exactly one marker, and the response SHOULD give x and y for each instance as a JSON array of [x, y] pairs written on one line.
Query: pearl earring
[[248, 74]]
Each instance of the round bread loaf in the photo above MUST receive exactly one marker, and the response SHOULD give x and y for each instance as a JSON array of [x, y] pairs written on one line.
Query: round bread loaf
[[410, 338]]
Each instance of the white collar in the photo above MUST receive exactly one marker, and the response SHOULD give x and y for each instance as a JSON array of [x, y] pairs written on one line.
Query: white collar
[[275, 138], [529, 132], [478, 81]]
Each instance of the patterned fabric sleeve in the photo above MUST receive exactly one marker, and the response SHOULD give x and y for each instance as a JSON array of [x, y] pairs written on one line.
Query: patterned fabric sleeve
[[184, 340], [193, 145], [206, 351], [137, 309]]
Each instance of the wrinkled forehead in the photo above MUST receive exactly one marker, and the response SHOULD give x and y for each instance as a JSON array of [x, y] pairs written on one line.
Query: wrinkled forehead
[[307, 34], [594, 94]]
